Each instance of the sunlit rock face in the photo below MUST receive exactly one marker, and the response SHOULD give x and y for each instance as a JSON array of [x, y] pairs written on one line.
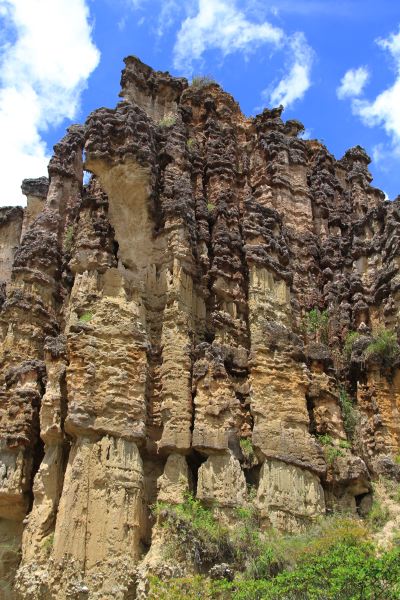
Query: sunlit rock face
[[154, 336]]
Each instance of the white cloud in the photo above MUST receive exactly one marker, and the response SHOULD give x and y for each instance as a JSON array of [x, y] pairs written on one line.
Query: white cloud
[[169, 12], [353, 83], [384, 110], [44, 67], [296, 82], [220, 25]]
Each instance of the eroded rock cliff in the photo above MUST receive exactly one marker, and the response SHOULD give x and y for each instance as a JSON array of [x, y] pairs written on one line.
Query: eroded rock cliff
[[181, 323]]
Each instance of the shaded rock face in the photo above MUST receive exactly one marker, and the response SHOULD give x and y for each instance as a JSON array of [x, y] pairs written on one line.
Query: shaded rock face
[[153, 337]]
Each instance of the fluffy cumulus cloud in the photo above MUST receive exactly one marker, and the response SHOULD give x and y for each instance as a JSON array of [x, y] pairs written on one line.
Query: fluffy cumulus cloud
[[296, 82], [384, 110], [221, 25], [353, 83], [46, 57]]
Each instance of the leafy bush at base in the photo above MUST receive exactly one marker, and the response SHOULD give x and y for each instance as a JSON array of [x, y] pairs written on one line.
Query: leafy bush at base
[[334, 560], [343, 572]]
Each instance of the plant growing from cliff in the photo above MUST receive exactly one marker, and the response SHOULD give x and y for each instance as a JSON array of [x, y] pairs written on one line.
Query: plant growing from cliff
[[317, 322], [210, 207], [69, 238], [384, 348], [48, 543], [331, 454], [330, 451], [197, 532], [325, 439], [201, 81], [168, 120], [378, 516], [191, 143], [349, 342], [349, 414], [86, 317], [247, 449], [344, 444]]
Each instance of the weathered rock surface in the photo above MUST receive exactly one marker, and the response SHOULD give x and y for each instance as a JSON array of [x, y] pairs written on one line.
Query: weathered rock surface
[[153, 339]]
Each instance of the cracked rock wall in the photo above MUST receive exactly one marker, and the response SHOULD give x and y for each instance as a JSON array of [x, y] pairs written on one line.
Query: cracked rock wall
[[153, 337]]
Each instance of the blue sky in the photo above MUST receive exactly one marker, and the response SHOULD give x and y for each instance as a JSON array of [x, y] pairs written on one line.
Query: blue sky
[[334, 64]]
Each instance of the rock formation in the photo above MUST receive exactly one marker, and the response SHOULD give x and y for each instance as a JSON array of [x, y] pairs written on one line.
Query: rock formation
[[154, 334]]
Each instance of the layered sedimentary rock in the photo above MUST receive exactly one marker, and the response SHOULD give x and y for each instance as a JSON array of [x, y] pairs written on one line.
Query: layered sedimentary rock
[[154, 339]]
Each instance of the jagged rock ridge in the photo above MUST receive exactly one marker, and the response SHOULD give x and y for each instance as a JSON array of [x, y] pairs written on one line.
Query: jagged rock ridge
[[154, 318]]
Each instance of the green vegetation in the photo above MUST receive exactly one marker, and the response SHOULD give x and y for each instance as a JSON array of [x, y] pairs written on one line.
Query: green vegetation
[[317, 322], [168, 120], [210, 207], [331, 454], [349, 342], [69, 238], [344, 444], [191, 143], [334, 560], [378, 516], [384, 348], [247, 449], [387, 488], [330, 451], [349, 413], [200, 534], [86, 317], [49, 543], [325, 439], [200, 81]]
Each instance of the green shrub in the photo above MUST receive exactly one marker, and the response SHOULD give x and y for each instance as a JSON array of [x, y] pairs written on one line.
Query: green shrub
[[349, 413], [200, 81], [384, 348], [345, 571], [69, 238], [168, 120], [210, 207], [191, 143], [344, 444], [86, 317], [349, 342], [317, 322], [196, 532], [48, 543], [325, 439], [194, 587], [378, 516], [335, 560], [331, 454], [391, 488], [330, 451], [247, 449]]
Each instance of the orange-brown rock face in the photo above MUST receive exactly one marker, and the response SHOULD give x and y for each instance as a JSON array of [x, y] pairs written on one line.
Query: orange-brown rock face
[[155, 339]]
